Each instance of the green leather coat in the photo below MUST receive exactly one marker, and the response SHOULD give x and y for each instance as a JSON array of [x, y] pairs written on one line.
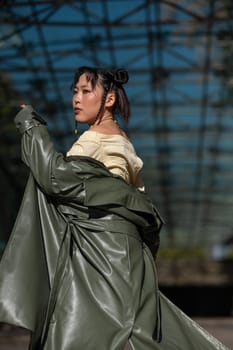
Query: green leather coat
[[79, 269]]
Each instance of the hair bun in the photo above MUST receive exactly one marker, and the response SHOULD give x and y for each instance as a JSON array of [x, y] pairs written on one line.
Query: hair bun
[[120, 76]]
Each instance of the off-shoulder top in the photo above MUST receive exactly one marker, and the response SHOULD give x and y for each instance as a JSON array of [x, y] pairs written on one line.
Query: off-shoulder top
[[116, 152]]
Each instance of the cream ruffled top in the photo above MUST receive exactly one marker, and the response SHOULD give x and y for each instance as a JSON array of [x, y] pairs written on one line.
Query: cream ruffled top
[[116, 152]]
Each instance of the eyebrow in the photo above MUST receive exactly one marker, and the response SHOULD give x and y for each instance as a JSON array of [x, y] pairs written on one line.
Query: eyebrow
[[82, 86]]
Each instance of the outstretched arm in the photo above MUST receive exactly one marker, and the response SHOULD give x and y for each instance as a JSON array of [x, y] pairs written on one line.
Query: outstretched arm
[[54, 174]]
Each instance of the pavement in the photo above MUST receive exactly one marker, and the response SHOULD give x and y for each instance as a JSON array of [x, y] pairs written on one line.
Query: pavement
[[12, 338]]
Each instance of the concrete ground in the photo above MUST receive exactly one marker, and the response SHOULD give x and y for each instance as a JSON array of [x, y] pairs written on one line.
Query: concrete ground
[[17, 339]]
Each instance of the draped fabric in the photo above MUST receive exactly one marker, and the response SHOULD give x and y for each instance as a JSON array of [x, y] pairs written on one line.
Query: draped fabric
[[79, 269], [52, 235]]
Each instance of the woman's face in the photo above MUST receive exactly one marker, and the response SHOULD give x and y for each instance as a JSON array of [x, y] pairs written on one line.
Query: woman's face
[[86, 101]]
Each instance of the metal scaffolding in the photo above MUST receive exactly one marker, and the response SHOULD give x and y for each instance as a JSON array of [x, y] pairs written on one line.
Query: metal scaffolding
[[179, 57]]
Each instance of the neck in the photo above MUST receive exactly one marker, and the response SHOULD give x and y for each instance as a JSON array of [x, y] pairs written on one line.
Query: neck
[[106, 118]]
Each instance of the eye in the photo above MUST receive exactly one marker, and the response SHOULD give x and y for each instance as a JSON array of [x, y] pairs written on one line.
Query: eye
[[86, 91]]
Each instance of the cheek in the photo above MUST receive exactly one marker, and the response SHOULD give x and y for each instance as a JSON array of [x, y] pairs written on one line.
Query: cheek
[[93, 101]]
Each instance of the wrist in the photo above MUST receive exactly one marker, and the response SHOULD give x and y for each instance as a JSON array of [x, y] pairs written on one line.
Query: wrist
[[28, 118]]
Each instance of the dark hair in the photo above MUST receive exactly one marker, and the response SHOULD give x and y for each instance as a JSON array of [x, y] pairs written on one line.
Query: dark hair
[[110, 80]]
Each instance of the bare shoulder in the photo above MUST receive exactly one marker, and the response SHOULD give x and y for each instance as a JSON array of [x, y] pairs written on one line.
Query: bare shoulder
[[124, 134]]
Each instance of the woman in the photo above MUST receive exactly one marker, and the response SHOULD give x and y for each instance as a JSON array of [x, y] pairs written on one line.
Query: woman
[[98, 96], [79, 268]]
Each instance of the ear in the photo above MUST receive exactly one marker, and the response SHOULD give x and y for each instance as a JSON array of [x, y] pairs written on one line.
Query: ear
[[110, 99]]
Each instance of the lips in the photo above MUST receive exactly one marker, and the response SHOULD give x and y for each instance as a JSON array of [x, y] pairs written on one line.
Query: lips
[[77, 110]]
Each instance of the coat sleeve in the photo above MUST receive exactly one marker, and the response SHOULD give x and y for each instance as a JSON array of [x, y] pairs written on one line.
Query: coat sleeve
[[46, 164]]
